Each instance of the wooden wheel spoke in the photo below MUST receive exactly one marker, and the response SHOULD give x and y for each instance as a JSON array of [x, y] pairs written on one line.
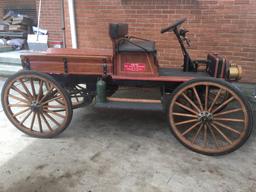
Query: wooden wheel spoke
[[33, 121], [198, 98], [19, 99], [206, 98], [47, 94], [223, 104], [186, 108], [50, 100], [227, 127], [33, 87], [20, 92], [25, 118], [221, 133], [52, 119], [228, 112], [18, 105], [25, 88], [197, 133], [40, 122], [213, 135], [55, 106], [184, 115], [48, 86], [54, 113], [58, 101], [191, 102], [40, 92], [205, 135], [186, 122], [19, 113], [46, 122], [229, 119], [190, 129], [215, 99]]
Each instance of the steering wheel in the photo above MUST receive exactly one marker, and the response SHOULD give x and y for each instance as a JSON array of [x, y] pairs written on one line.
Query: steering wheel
[[173, 26]]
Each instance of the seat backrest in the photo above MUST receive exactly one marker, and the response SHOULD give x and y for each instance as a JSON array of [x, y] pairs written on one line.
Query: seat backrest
[[118, 30]]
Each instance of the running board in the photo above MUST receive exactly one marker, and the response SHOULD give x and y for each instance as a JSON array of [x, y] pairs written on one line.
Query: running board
[[131, 104], [129, 100]]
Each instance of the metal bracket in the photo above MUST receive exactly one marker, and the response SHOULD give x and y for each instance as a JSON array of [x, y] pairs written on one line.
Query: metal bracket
[[105, 68], [25, 64], [65, 65]]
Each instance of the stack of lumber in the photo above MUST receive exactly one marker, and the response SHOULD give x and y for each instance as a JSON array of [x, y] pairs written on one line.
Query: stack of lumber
[[8, 17], [14, 29], [4, 26], [15, 22], [21, 23]]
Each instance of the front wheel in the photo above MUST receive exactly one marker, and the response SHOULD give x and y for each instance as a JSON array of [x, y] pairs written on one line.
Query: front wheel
[[203, 124], [36, 104]]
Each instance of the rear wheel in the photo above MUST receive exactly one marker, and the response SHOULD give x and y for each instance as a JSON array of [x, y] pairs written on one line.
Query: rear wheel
[[36, 104], [79, 95], [204, 124]]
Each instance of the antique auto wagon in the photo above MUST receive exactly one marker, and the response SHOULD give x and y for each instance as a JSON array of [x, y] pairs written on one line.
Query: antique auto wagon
[[206, 112]]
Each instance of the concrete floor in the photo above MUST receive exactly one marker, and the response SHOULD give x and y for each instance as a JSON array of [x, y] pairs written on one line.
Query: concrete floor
[[123, 151]]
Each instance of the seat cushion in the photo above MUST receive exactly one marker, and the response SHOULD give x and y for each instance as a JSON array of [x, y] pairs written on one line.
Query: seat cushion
[[136, 46]]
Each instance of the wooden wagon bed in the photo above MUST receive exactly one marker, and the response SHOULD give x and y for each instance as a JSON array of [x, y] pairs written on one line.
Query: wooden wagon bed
[[70, 61], [91, 61]]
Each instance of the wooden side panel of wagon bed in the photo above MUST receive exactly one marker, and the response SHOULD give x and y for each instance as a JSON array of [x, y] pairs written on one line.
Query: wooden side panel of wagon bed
[[68, 64]]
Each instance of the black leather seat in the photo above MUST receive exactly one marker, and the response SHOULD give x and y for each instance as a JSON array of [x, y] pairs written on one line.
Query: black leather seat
[[119, 34], [136, 46]]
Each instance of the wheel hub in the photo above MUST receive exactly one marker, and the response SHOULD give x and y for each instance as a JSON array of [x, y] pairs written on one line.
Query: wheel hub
[[205, 116], [35, 106]]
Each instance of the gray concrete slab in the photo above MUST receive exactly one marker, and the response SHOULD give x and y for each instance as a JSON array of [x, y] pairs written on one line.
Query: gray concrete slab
[[123, 151]]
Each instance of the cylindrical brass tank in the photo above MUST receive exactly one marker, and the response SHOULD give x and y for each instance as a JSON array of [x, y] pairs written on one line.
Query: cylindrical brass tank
[[234, 72]]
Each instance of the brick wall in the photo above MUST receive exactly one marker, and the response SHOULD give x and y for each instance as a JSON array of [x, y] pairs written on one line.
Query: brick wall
[[224, 26], [51, 18], [67, 25]]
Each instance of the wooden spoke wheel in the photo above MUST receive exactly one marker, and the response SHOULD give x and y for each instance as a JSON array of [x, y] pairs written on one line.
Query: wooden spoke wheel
[[36, 104], [215, 122], [79, 95]]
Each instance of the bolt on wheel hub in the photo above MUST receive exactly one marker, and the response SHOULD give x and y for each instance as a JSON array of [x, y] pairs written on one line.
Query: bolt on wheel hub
[[35, 106], [205, 117]]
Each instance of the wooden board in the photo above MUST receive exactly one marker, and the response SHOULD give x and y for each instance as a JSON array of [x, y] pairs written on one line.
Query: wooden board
[[69, 64], [81, 52], [17, 28]]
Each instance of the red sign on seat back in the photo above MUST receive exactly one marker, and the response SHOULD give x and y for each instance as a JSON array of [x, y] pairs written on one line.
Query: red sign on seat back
[[135, 67]]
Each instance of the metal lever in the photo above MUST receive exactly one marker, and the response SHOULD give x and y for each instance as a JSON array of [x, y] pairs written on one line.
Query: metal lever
[[187, 41]]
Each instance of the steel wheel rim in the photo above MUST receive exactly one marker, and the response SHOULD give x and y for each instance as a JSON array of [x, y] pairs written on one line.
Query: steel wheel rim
[[216, 123], [35, 96]]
